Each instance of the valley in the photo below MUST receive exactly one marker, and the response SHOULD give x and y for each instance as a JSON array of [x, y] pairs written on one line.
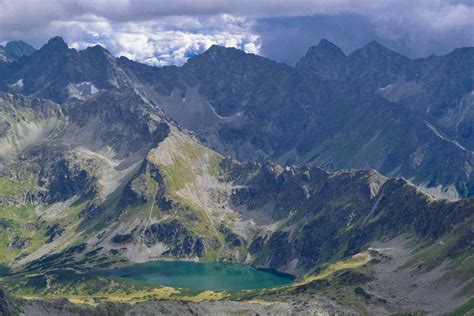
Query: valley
[[104, 173]]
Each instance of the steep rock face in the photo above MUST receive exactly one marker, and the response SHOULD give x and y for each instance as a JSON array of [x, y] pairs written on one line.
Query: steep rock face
[[176, 234], [436, 88], [222, 69], [371, 109], [331, 110], [337, 214], [162, 194], [325, 60], [48, 71], [68, 181], [6, 306]]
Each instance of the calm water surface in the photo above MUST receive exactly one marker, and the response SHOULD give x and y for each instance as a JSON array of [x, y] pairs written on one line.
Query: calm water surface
[[202, 276]]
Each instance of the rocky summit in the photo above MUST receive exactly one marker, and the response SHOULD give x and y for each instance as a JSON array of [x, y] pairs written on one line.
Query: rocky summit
[[352, 173]]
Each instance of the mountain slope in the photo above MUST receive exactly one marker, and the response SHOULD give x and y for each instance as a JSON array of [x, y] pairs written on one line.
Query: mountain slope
[[332, 110], [93, 174], [437, 88], [254, 109], [14, 50], [99, 202]]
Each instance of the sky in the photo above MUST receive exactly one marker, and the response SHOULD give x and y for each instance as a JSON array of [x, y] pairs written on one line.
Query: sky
[[160, 32]]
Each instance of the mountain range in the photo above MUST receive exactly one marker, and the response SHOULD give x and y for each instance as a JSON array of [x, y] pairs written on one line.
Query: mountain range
[[234, 157]]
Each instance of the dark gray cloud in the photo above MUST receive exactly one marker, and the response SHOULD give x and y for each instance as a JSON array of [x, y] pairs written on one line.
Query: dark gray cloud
[[286, 39], [163, 32]]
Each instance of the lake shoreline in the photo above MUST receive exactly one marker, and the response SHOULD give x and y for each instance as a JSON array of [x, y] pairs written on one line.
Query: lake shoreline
[[215, 276]]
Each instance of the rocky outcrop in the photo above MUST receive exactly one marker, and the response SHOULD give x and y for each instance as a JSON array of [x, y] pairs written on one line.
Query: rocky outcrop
[[18, 243], [285, 305], [68, 180], [52, 232], [180, 240], [7, 307]]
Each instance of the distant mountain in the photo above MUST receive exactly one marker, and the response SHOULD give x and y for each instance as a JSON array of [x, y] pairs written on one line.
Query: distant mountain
[[372, 109], [14, 50], [331, 110], [438, 88]]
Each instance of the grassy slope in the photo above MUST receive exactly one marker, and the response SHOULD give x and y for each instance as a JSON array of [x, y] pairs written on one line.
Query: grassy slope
[[84, 288]]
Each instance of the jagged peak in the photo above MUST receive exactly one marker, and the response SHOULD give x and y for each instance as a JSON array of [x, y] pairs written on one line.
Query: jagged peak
[[215, 47], [375, 48], [218, 50], [96, 51], [227, 55], [325, 53], [212, 53], [375, 44], [14, 50], [19, 44], [98, 48], [327, 47], [461, 51], [56, 40], [56, 43]]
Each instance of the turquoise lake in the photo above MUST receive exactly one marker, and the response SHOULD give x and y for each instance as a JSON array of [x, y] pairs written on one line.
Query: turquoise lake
[[202, 276]]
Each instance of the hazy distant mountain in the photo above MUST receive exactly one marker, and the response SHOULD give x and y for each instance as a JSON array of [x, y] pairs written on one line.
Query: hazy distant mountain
[[14, 50], [438, 88], [372, 109]]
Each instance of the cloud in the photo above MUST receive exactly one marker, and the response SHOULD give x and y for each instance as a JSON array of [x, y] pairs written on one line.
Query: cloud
[[162, 32], [170, 40], [126, 10], [415, 28]]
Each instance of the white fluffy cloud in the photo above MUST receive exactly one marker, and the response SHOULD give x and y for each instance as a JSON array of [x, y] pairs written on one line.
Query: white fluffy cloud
[[164, 41]]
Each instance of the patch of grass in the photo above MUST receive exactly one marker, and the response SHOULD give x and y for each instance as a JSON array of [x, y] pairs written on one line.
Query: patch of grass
[[10, 188], [432, 255], [87, 289], [15, 223], [354, 262], [465, 309], [18, 215], [206, 296], [178, 174]]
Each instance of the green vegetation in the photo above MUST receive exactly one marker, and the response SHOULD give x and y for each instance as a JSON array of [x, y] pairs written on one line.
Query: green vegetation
[[91, 289], [18, 225], [15, 189], [465, 309]]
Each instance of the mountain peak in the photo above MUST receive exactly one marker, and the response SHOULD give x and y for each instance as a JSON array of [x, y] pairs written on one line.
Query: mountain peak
[[374, 45], [17, 49], [13, 50], [322, 58], [97, 49], [57, 42], [375, 48], [327, 47], [324, 51], [215, 47], [219, 50]]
